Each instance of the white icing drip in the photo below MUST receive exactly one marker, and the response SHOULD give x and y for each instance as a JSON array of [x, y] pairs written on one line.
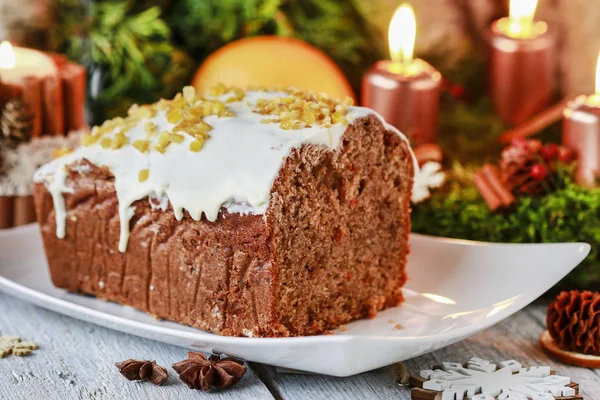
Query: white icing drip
[[126, 212], [160, 202], [235, 207], [236, 167]]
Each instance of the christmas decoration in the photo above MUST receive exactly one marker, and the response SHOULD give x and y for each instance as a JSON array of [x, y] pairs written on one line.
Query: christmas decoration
[[529, 168], [522, 64], [573, 334], [570, 213], [492, 189], [480, 379], [574, 321], [201, 373], [272, 61], [581, 132], [405, 91], [144, 370], [129, 65], [428, 152], [13, 345], [430, 176], [16, 122]]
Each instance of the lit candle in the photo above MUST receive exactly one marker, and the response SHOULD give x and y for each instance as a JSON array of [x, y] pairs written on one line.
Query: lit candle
[[16, 63], [581, 132], [521, 63], [404, 90], [33, 76]]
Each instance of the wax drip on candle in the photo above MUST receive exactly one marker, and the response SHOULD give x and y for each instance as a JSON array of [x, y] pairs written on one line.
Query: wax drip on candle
[[401, 35]]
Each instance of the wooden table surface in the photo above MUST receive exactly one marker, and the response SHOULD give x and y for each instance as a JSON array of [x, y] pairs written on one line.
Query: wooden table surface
[[76, 361]]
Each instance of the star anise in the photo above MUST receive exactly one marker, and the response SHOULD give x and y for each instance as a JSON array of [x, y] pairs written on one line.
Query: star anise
[[201, 373], [136, 370]]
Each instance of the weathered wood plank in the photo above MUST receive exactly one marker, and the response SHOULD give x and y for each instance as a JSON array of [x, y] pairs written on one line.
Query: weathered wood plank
[[377, 384], [516, 338], [76, 361]]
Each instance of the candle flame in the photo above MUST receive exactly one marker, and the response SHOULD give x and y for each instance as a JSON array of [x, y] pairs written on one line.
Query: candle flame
[[593, 100], [598, 76], [521, 17], [7, 55], [401, 35]]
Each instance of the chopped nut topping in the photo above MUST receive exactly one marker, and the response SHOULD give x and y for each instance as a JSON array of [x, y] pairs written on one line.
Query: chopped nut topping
[[150, 127], [143, 175], [197, 145], [302, 109], [142, 145], [119, 141], [174, 115], [175, 137], [63, 151], [189, 93], [106, 142], [292, 110]]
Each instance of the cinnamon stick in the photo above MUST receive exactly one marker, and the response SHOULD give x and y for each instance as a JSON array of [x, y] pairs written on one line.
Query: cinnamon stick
[[54, 115], [73, 80], [60, 60], [490, 186], [23, 211], [8, 92], [537, 123], [428, 152], [496, 183], [32, 97], [6, 212]]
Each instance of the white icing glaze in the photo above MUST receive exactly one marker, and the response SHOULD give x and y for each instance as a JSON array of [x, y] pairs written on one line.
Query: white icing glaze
[[236, 167]]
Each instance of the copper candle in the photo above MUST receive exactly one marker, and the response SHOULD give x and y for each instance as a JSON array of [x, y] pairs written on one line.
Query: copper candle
[[581, 133], [405, 91], [522, 66]]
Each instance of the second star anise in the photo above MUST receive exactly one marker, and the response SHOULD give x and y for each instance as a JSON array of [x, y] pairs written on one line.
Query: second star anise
[[201, 373]]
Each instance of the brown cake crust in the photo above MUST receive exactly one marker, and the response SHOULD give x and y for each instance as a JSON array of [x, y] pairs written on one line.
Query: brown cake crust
[[331, 248]]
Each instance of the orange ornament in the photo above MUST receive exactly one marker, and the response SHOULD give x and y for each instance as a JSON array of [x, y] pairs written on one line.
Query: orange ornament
[[270, 61]]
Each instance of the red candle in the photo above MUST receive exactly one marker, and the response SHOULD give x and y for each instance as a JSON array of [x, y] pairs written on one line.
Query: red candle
[[581, 132], [522, 66], [405, 91], [73, 81], [32, 96]]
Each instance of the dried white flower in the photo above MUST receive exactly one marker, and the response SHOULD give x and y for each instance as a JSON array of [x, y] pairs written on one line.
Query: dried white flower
[[428, 177]]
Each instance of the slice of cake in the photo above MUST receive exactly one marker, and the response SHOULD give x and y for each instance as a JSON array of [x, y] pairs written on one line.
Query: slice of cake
[[255, 213]]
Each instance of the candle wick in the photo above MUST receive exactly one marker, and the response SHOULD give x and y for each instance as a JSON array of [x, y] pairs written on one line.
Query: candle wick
[[401, 63]]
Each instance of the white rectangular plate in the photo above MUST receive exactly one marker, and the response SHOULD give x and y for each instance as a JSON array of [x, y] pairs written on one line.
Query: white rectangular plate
[[456, 288]]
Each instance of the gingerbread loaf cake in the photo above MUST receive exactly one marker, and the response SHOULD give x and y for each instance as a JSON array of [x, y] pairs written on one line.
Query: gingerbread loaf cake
[[243, 213]]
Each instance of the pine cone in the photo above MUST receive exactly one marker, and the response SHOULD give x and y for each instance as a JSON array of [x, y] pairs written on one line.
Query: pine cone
[[207, 374], [16, 122], [516, 166], [574, 321]]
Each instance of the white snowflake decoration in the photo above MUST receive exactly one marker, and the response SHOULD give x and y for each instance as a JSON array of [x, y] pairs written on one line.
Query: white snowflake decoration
[[428, 177], [483, 380]]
